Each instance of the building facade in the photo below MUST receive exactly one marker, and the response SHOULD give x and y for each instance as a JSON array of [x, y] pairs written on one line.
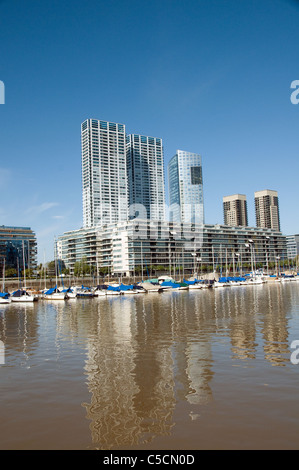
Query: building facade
[[147, 247], [267, 209], [18, 248], [292, 246], [145, 172], [235, 210], [104, 173], [185, 188]]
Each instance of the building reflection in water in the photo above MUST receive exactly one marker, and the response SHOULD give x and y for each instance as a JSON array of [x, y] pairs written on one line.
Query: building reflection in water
[[257, 316], [275, 327], [145, 354], [143, 359], [130, 381], [152, 351]]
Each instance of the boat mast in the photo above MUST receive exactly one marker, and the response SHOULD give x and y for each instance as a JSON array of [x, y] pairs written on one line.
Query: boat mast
[[24, 265], [3, 288]]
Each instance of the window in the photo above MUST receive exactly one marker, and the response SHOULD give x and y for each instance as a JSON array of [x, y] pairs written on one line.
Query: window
[[196, 175]]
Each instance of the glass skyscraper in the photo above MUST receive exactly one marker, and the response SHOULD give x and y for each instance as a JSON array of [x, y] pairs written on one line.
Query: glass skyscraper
[[104, 173], [145, 170], [185, 188]]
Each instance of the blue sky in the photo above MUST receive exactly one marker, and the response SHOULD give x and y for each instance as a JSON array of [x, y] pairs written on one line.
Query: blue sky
[[207, 76]]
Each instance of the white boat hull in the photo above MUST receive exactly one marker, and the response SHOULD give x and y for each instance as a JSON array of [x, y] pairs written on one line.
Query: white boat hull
[[55, 296], [24, 298], [130, 292]]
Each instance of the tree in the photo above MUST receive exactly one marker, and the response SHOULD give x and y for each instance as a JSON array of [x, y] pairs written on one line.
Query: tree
[[11, 272]]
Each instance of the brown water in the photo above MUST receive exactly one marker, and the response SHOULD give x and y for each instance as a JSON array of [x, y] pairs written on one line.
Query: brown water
[[205, 369]]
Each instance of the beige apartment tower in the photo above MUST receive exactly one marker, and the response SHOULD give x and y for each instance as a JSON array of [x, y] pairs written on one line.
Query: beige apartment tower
[[235, 210], [267, 209]]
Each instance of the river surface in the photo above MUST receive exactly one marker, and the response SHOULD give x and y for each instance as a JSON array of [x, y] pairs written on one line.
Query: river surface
[[206, 369]]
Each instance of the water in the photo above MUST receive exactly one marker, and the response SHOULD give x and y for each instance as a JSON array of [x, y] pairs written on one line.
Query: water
[[206, 369]]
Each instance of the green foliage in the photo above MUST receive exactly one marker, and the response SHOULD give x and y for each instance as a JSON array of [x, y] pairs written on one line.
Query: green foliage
[[82, 268], [11, 272]]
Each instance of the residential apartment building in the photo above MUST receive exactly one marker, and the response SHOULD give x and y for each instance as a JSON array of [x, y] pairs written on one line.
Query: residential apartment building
[[267, 209], [292, 246], [104, 172], [145, 246], [235, 210], [185, 188], [145, 172]]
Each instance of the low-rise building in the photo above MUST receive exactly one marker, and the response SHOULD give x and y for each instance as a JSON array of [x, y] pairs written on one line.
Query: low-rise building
[[144, 246], [18, 246], [292, 246]]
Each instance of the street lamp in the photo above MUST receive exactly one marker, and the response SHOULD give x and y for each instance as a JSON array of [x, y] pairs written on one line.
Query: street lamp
[[277, 265], [250, 244]]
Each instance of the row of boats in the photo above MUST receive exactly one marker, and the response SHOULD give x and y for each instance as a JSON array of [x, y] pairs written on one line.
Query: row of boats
[[73, 292], [161, 284]]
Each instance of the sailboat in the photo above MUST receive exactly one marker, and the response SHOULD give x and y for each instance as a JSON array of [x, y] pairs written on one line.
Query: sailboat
[[55, 293], [4, 296], [21, 295]]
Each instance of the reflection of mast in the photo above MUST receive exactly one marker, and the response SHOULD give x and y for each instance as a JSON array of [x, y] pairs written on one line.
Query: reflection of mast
[[275, 329]]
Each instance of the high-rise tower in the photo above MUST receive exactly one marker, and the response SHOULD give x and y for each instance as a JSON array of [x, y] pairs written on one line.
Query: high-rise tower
[[235, 210], [267, 209], [104, 172], [186, 187], [145, 171]]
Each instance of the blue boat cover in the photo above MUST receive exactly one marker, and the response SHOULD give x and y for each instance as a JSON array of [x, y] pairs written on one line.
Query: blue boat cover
[[113, 288], [170, 284], [124, 287], [5, 295], [191, 283], [52, 290]]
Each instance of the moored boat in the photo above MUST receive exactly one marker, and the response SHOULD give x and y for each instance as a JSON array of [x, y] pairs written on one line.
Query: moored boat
[[128, 289], [5, 298], [195, 284], [21, 295], [168, 285], [100, 291], [85, 292], [222, 282], [55, 294], [113, 290], [151, 287]]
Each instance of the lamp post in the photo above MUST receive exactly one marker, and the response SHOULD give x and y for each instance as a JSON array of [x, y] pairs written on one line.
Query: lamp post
[[267, 255], [198, 259], [237, 255], [277, 265], [170, 260]]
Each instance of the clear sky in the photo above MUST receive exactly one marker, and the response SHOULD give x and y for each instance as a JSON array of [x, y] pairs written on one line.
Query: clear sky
[[207, 76]]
